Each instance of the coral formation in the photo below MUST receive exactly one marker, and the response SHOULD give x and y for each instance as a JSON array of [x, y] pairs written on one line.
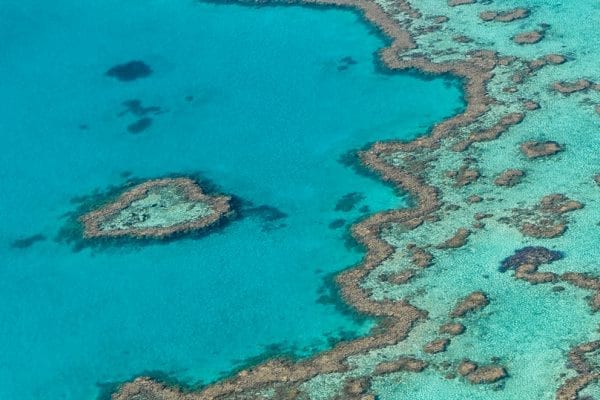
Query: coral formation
[[533, 149], [27, 241], [546, 219], [399, 242], [409, 364], [530, 255], [473, 302], [504, 16], [528, 37], [452, 328], [157, 209], [458, 240], [509, 177], [436, 346], [129, 71], [478, 375]]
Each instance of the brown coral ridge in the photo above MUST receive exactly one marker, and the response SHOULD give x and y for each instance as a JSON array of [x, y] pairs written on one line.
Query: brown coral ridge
[[473, 302], [531, 67], [419, 256], [478, 375], [530, 255], [528, 37], [436, 346], [504, 16], [534, 149], [491, 133], [402, 364], [403, 277], [573, 87], [452, 328], [464, 176], [186, 187], [454, 3], [531, 105], [587, 373], [547, 219], [526, 262], [458, 240], [585, 281], [530, 273], [356, 389], [397, 318], [509, 178]]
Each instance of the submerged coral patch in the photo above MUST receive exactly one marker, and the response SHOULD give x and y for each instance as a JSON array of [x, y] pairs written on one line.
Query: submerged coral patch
[[547, 219], [130, 71], [135, 107], [345, 63], [509, 177], [349, 201], [140, 125], [528, 37], [534, 149], [27, 241], [535, 255], [504, 16], [477, 375]]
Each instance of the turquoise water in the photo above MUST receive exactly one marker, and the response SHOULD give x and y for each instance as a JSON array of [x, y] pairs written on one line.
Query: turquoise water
[[263, 102]]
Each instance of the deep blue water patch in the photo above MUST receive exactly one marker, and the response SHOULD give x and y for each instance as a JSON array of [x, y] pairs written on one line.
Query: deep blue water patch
[[256, 102]]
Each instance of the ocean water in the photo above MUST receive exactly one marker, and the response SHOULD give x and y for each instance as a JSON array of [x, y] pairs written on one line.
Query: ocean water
[[261, 101]]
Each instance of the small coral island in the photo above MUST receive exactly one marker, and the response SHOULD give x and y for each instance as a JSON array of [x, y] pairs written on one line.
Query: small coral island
[[157, 209]]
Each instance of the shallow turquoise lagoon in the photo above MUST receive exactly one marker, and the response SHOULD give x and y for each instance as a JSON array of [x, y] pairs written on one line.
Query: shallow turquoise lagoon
[[261, 101]]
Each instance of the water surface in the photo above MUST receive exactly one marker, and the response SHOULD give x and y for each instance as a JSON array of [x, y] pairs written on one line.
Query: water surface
[[261, 101]]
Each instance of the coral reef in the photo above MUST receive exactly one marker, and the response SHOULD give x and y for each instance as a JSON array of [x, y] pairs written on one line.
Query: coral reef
[[473, 302], [533, 149], [458, 240], [401, 244], [478, 375], [157, 209], [546, 219], [509, 178], [504, 16], [453, 3], [586, 372], [409, 364], [419, 257], [530, 255], [572, 87], [528, 37], [452, 328], [436, 346]]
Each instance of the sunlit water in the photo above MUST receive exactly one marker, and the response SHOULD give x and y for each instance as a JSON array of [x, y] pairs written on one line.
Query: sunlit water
[[262, 102]]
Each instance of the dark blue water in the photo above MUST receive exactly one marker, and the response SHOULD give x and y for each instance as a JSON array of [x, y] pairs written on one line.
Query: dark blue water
[[261, 101]]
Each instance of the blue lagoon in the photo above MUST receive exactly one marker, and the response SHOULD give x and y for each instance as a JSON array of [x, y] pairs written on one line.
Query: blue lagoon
[[268, 104]]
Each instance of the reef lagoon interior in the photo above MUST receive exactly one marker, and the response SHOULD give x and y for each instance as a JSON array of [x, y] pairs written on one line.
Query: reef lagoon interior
[[266, 103]]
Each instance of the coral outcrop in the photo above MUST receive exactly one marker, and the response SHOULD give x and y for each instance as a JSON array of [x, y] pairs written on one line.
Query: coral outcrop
[[157, 209]]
